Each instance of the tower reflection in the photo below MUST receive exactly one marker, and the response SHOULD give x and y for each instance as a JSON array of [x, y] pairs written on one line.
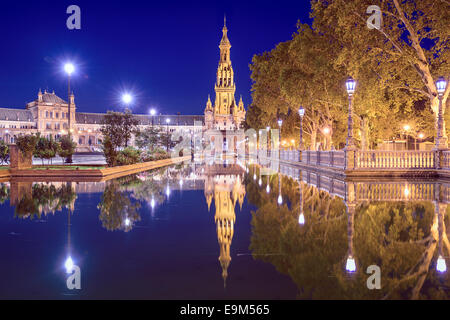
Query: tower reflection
[[225, 185]]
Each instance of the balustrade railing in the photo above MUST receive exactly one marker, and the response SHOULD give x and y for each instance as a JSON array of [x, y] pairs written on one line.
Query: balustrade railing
[[446, 160], [324, 158], [395, 159], [373, 159]]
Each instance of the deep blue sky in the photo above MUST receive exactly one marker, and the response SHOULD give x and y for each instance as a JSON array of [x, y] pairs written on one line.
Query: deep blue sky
[[164, 52]]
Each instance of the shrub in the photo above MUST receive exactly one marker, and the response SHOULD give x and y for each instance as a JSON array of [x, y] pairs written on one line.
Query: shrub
[[127, 156]]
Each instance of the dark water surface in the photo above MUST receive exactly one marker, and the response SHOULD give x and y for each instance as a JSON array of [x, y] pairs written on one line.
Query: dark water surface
[[216, 231]]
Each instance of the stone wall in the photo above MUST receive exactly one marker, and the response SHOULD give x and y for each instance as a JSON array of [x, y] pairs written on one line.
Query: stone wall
[[18, 160]]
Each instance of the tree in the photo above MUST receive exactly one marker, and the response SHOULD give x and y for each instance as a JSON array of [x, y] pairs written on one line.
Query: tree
[[407, 53], [4, 152], [66, 146], [27, 143], [129, 126], [46, 149], [117, 130]]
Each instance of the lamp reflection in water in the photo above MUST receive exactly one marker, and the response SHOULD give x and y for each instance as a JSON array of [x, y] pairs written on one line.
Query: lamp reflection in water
[[350, 265], [280, 198], [441, 266], [69, 262], [301, 217]]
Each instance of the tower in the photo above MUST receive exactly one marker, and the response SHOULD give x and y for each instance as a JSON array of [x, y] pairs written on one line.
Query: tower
[[226, 113]]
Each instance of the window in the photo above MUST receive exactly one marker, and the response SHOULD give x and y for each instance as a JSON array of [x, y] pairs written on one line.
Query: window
[[57, 115], [51, 114], [48, 126], [46, 114]]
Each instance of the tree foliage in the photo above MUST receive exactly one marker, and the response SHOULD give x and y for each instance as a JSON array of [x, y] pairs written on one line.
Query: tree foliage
[[395, 67]]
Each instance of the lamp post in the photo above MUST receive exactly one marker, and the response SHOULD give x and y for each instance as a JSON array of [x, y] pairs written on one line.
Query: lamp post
[[152, 113], [441, 139], [301, 112], [350, 85], [280, 123], [268, 140], [69, 68], [167, 122]]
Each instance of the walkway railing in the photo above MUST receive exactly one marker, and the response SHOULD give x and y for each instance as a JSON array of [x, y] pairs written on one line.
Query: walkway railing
[[324, 158], [395, 159], [366, 160]]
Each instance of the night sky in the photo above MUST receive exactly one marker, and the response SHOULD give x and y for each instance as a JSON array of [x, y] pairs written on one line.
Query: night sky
[[164, 52]]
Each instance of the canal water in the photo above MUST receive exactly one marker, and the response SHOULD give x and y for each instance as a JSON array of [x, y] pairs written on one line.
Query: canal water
[[224, 230]]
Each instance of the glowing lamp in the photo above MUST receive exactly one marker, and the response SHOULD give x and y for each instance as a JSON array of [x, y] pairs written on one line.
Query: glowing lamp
[[280, 122], [350, 85], [69, 68], [301, 112], [280, 199], [127, 98], [268, 189], [441, 85], [153, 112]]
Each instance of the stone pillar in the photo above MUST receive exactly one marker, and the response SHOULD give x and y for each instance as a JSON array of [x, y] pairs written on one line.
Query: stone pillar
[[18, 160], [350, 155]]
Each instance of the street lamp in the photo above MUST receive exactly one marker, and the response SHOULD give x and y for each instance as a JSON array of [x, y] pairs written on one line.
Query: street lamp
[[167, 122], [441, 139], [152, 113], [127, 99], [69, 69], [350, 85], [301, 112], [280, 123]]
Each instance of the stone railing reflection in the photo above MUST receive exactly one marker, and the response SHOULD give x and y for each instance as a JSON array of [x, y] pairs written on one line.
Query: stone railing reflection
[[395, 159], [371, 190]]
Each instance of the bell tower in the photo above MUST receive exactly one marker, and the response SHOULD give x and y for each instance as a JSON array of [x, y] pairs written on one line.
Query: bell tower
[[226, 113]]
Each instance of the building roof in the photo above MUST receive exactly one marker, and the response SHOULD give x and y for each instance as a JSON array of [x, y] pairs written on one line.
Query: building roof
[[186, 120], [15, 115], [52, 98]]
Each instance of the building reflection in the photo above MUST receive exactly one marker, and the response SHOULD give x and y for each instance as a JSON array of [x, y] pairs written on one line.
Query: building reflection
[[225, 185]]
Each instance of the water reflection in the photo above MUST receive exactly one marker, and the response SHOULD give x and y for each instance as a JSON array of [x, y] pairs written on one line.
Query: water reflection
[[329, 231], [320, 231]]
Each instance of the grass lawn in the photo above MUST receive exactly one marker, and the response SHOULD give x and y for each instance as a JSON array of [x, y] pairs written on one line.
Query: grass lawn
[[67, 167]]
